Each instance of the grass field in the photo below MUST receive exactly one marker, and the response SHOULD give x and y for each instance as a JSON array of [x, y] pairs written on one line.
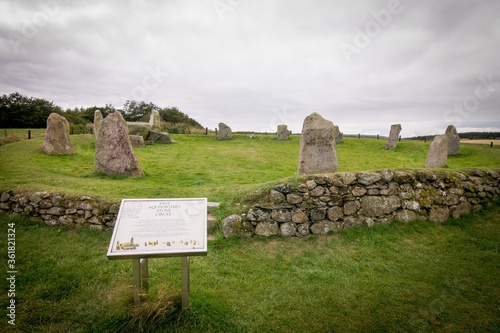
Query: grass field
[[418, 277], [202, 166]]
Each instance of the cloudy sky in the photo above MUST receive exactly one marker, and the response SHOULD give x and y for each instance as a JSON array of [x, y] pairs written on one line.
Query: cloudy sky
[[255, 64]]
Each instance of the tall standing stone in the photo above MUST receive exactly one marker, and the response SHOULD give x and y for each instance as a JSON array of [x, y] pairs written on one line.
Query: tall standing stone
[[57, 141], [283, 133], [97, 122], [437, 156], [453, 140], [224, 132], [155, 121], [318, 153], [114, 153], [392, 141]]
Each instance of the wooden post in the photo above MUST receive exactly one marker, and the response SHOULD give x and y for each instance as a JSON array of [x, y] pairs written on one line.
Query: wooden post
[[29, 134], [491, 144], [144, 274]]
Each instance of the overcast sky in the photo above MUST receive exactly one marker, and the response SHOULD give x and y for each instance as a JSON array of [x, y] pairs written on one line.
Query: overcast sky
[[364, 65]]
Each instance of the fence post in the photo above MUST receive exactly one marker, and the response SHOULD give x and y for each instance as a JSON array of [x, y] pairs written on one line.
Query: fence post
[[29, 134]]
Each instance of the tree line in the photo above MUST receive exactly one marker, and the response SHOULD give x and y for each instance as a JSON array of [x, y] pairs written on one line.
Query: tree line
[[19, 111]]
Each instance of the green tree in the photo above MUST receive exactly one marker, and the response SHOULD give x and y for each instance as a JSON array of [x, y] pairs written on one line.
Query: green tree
[[19, 111], [138, 111]]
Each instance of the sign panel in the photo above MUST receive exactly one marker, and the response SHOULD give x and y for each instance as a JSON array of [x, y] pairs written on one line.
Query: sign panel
[[149, 228]]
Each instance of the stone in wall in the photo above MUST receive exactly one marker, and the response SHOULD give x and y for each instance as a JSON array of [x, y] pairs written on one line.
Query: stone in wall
[[114, 154], [392, 141], [437, 156], [57, 140], [318, 153]]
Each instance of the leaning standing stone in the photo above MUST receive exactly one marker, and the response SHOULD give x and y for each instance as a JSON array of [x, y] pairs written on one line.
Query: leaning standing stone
[[57, 139], [318, 153], [438, 152], [113, 152], [224, 132], [283, 132], [392, 141], [453, 140]]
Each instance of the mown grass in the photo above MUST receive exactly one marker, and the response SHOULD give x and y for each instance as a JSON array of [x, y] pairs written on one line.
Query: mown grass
[[202, 166], [416, 277]]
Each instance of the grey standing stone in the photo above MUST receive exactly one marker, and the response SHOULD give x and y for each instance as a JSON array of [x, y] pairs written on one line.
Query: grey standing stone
[[57, 141], [453, 140], [155, 121], [318, 152], [97, 122], [114, 153], [339, 136], [392, 141], [283, 132], [224, 132], [437, 156]]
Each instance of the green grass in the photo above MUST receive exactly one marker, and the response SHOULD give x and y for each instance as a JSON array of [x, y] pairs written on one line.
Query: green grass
[[202, 166], [418, 277]]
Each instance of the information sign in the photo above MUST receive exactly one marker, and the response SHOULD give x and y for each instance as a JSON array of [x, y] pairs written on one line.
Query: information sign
[[153, 228]]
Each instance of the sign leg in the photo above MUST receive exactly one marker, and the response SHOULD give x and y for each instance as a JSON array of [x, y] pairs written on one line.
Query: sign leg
[[185, 281], [144, 274], [136, 270]]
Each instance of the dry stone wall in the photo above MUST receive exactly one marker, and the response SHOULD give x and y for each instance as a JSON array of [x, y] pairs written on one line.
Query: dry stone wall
[[60, 209], [317, 205], [324, 204]]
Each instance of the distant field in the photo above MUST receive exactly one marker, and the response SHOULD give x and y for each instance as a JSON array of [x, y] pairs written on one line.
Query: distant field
[[496, 142]]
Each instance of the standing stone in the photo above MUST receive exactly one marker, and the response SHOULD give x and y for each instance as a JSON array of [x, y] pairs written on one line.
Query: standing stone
[[224, 132], [114, 153], [453, 140], [318, 153], [283, 132], [339, 136], [392, 141], [155, 121], [437, 155], [97, 122], [57, 139]]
